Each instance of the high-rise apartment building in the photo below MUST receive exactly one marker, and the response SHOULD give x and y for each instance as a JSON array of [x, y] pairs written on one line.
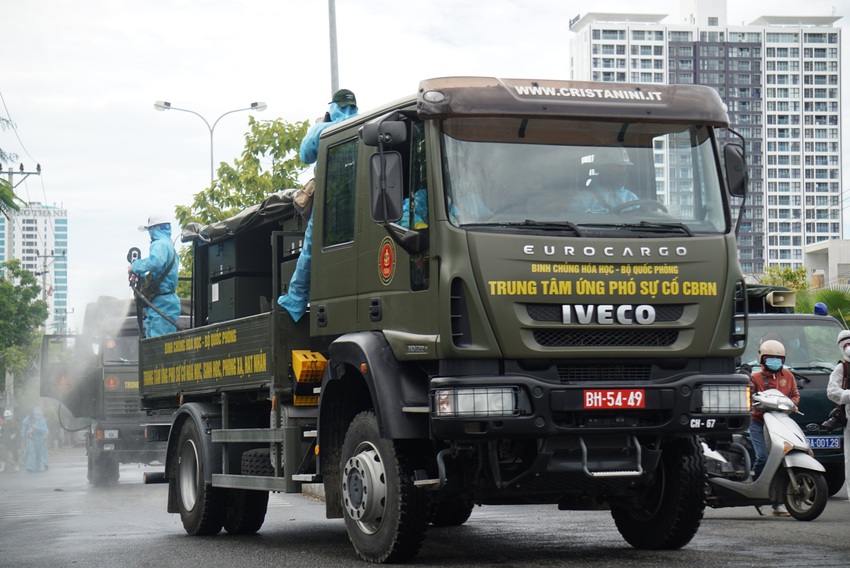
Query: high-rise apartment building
[[780, 77], [37, 235]]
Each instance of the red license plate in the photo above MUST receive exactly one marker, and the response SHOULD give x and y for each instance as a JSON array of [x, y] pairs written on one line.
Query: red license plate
[[614, 398]]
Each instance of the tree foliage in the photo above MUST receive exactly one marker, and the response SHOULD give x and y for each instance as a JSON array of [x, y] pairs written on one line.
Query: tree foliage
[[796, 279], [8, 200], [248, 181], [836, 299], [22, 313]]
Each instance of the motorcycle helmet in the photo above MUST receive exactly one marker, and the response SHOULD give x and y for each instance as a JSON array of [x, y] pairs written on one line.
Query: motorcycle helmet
[[771, 348], [843, 337]]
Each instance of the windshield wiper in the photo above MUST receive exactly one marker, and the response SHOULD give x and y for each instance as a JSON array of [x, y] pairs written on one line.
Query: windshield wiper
[[530, 223], [554, 224], [675, 226]]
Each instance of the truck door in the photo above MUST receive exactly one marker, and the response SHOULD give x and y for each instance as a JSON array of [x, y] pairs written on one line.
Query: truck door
[[70, 373]]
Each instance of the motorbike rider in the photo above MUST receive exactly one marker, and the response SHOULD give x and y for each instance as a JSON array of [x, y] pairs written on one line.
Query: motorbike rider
[[839, 395], [773, 375]]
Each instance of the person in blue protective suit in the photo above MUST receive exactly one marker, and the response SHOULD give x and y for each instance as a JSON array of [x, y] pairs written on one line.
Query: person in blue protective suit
[[34, 430], [606, 187], [163, 265], [342, 106]]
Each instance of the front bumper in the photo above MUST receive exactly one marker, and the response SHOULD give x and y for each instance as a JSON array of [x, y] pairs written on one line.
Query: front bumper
[[545, 409]]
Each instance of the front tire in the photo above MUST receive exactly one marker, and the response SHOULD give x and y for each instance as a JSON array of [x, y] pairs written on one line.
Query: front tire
[[671, 511], [201, 505], [385, 515], [806, 500]]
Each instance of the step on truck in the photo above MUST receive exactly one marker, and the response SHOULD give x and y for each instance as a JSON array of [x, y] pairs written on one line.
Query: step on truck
[[488, 324], [95, 375]]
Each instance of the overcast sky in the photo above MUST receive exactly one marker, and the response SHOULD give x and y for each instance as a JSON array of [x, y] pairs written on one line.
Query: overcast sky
[[80, 84]]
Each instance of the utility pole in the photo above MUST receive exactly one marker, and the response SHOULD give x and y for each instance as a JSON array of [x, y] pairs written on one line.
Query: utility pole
[[21, 172], [334, 63], [44, 270]]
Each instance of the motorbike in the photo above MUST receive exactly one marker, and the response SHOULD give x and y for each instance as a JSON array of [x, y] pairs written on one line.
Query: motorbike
[[790, 476]]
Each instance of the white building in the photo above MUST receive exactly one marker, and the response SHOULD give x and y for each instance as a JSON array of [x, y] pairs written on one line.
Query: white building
[[37, 235], [780, 77]]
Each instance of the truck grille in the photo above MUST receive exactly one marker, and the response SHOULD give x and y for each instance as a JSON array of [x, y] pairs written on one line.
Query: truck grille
[[605, 337], [581, 373], [117, 406]]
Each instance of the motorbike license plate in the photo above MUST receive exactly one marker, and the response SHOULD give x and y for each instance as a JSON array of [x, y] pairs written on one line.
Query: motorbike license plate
[[614, 398], [825, 442]]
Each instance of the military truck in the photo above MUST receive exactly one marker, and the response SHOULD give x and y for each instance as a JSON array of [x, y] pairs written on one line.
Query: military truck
[[95, 375], [486, 326], [812, 352]]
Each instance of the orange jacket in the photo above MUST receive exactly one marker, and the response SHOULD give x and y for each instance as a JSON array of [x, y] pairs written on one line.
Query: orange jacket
[[783, 380]]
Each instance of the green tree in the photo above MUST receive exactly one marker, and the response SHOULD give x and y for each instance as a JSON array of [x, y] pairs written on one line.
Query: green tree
[[22, 313], [796, 279], [8, 199], [836, 299], [248, 181]]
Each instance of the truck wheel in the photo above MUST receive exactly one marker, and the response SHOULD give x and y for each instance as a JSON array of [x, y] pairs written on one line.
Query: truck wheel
[[102, 469], [672, 505], [385, 515], [257, 462], [451, 512], [807, 499], [246, 511], [834, 477], [201, 506]]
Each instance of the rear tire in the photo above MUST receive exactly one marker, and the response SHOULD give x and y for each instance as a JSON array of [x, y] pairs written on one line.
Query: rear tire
[[201, 505], [385, 515], [451, 512], [246, 511], [673, 504], [807, 500]]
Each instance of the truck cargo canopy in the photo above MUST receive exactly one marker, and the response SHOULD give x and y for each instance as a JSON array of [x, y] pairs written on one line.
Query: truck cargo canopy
[[275, 208]]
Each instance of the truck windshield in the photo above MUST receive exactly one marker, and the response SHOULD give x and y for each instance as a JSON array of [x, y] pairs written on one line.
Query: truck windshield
[[121, 350], [630, 176], [809, 343]]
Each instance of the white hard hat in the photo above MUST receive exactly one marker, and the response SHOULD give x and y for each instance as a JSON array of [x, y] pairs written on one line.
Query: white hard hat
[[154, 220], [613, 156], [843, 337]]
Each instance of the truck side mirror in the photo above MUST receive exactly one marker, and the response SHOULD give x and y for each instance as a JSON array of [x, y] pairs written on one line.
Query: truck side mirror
[[387, 187], [736, 169], [385, 132]]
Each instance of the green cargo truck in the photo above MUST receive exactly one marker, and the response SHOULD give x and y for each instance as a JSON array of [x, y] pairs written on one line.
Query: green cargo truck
[[95, 375], [485, 325]]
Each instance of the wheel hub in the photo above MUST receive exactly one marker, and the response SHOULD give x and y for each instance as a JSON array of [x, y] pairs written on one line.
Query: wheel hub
[[364, 489]]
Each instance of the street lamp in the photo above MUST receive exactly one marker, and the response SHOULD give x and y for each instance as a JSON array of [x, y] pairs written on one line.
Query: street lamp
[[165, 105]]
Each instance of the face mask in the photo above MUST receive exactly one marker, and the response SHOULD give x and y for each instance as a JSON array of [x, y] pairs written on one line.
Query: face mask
[[847, 351], [773, 363]]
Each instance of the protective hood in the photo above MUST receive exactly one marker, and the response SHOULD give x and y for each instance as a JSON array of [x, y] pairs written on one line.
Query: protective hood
[[338, 114], [160, 232]]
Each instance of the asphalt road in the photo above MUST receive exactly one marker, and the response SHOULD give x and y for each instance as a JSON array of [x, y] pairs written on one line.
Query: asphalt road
[[55, 518]]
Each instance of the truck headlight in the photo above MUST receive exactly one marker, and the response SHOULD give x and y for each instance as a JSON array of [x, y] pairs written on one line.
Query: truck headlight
[[718, 399], [474, 402]]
